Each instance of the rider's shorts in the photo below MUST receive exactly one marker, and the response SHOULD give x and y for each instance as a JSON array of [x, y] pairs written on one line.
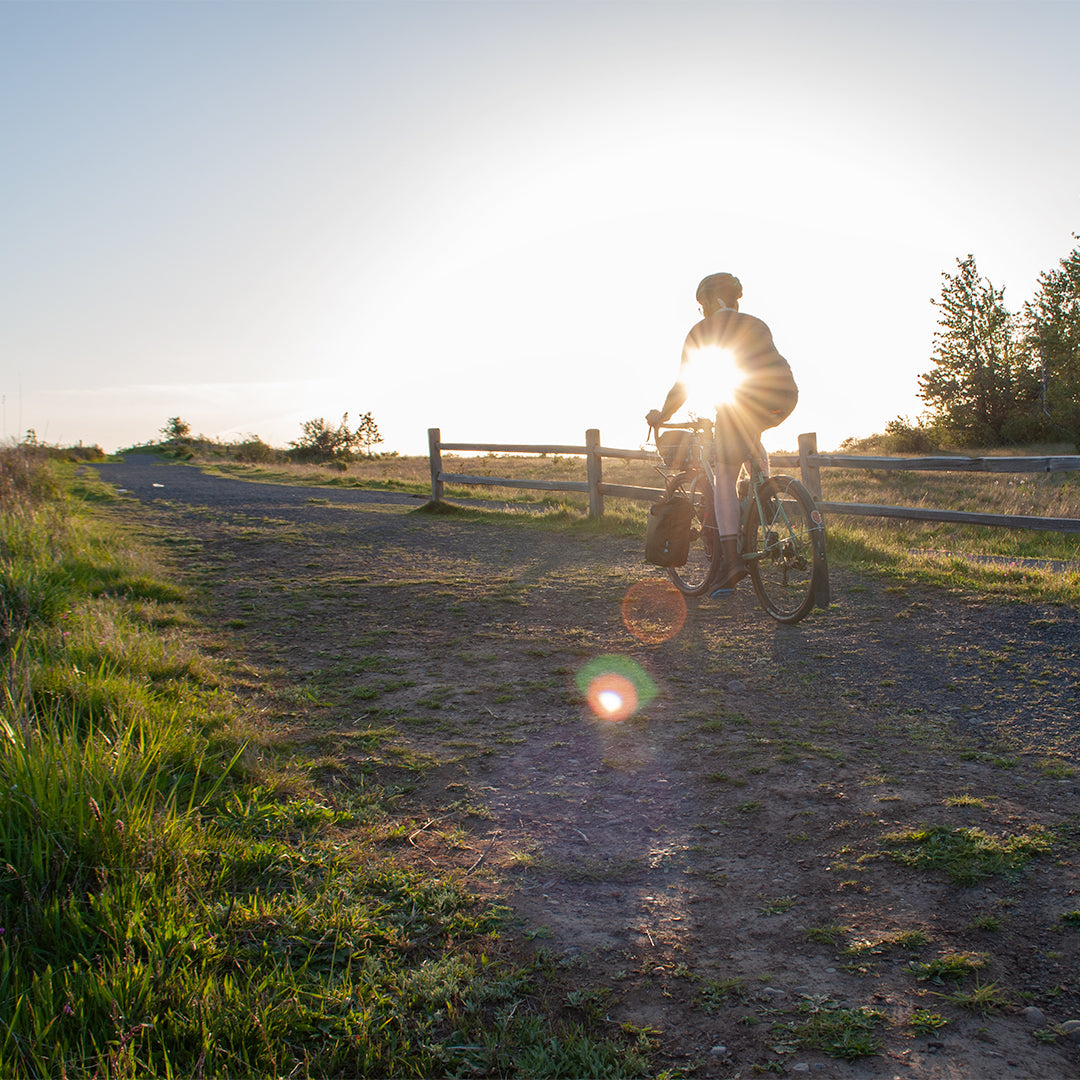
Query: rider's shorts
[[756, 409]]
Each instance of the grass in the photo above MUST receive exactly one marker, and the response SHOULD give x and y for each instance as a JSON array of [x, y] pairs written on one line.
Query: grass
[[966, 855], [174, 901], [950, 967], [834, 1028]]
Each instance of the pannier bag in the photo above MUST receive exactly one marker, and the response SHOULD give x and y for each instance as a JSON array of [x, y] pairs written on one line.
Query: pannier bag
[[667, 537]]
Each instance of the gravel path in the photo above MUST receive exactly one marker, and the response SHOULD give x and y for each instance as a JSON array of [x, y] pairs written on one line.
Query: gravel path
[[992, 670], [149, 477]]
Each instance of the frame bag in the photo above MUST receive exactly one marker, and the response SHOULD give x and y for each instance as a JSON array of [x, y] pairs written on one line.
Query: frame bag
[[667, 537]]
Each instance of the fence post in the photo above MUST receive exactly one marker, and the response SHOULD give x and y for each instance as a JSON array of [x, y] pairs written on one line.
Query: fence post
[[594, 471], [434, 439], [810, 474]]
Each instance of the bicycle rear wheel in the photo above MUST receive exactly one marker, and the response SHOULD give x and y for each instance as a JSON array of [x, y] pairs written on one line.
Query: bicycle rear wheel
[[784, 547], [695, 577]]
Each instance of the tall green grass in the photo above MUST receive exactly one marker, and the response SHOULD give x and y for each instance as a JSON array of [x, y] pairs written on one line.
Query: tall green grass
[[166, 911]]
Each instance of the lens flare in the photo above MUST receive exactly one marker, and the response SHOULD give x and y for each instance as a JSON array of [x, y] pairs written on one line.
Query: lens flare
[[711, 378], [612, 697], [653, 610], [615, 687]]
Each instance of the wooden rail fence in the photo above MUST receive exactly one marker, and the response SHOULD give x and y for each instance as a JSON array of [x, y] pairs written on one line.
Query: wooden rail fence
[[808, 460]]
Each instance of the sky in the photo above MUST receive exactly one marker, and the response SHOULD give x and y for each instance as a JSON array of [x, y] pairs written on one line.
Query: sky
[[491, 217]]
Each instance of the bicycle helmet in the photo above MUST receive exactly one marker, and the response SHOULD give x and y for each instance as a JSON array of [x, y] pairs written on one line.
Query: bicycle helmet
[[726, 287]]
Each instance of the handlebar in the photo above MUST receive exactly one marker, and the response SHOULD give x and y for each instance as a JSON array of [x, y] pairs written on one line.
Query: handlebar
[[700, 427]]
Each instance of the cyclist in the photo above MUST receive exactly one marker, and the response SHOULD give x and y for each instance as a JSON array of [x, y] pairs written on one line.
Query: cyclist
[[763, 395]]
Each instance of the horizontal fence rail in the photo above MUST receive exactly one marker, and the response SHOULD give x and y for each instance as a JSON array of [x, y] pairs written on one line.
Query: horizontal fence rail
[[808, 460]]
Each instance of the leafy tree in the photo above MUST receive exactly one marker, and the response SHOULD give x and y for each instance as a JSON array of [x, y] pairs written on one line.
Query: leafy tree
[[367, 433], [176, 429], [322, 442], [1053, 337], [982, 374]]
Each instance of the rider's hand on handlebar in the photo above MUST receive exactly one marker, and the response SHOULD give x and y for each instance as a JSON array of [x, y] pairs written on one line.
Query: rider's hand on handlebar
[[654, 418]]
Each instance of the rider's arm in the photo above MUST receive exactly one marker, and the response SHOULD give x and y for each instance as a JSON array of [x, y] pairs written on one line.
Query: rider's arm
[[676, 396]]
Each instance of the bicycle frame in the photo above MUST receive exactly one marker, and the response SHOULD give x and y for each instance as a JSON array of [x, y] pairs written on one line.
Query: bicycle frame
[[781, 533], [756, 467]]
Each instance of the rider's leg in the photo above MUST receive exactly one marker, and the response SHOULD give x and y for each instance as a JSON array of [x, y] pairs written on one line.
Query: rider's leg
[[731, 438], [727, 510]]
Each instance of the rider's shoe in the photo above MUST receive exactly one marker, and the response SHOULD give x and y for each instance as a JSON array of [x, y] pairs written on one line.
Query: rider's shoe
[[727, 578], [732, 569]]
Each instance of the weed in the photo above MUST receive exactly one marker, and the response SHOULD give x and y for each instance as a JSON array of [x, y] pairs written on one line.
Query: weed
[[983, 998], [778, 906], [950, 967], [827, 934], [1056, 768], [835, 1029], [924, 1022], [713, 994], [591, 1001], [965, 800]]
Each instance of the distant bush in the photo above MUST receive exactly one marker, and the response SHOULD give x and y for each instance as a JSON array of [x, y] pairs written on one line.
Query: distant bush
[[321, 443], [255, 451], [176, 429], [901, 436], [904, 437], [33, 449]]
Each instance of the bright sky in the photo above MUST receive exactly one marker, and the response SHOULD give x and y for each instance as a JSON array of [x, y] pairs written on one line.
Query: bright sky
[[491, 217]]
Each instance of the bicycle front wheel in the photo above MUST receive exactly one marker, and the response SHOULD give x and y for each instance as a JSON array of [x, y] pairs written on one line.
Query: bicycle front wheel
[[784, 547], [694, 578]]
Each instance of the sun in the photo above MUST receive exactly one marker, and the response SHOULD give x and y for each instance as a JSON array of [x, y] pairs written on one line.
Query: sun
[[711, 377]]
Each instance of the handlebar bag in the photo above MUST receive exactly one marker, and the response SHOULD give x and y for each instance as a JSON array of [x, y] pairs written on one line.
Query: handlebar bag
[[667, 536], [674, 447]]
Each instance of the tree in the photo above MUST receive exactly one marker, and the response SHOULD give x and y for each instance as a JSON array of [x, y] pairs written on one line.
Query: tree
[[982, 374], [175, 429], [367, 433], [1053, 336], [321, 442]]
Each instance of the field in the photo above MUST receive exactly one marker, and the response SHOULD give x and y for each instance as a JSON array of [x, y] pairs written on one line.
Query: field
[[930, 549], [354, 816]]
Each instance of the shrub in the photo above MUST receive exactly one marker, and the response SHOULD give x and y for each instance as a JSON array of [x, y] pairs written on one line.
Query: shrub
[[903, 437], [256, 451]]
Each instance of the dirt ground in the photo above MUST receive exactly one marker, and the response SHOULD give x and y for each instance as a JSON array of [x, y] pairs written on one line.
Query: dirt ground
[[688, 809]]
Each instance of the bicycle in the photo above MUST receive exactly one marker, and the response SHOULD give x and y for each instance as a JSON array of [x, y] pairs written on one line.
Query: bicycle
[[781, 531]]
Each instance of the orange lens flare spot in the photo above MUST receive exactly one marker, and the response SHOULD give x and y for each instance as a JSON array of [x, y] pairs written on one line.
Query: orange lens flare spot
[[612, 696], [654, 611], [615, 687]]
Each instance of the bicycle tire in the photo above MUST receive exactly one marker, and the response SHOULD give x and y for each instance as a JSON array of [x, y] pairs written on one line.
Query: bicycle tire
[[785, 554], [695, 576]]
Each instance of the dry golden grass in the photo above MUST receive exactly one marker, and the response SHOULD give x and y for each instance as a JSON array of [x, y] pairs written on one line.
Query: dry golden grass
[[1054, 495]]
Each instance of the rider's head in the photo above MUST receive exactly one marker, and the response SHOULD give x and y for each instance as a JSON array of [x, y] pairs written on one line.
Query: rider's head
[[717, 291]]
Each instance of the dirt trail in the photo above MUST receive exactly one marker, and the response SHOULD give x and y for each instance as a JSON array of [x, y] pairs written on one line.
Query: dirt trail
[[707, 866]]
